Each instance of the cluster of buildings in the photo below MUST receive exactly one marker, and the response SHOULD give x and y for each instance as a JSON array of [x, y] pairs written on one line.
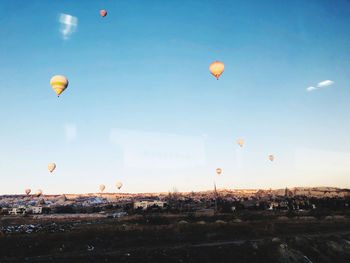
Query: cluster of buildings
[[295, 199]]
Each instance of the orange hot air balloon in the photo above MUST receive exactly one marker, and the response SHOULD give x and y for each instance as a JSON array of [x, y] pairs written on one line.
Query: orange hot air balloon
[[271, 158], [102, 187], [240, 142], [103, 13], [27, 191], [218, 171], [216, 68]]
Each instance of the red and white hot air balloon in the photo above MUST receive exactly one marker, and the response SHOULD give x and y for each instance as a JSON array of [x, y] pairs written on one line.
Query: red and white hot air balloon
[[27, 191], [103, 13]]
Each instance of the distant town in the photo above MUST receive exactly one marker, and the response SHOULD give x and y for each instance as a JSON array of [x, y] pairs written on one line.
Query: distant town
[[214, 201]]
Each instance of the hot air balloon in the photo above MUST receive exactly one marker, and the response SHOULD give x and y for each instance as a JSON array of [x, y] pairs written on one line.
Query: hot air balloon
[[240, 142], [51, 167], [103, 13], [119, 185], [102, 187], [27, 191], [216, 68], [218, 171], [59, 84], [38, 192], [271, 157]]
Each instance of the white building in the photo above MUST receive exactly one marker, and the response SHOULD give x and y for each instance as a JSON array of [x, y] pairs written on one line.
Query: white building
[[17, 211], [145, 204], [37, 209]]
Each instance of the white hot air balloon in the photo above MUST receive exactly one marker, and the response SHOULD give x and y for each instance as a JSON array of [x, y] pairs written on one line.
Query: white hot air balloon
[[51, 167]]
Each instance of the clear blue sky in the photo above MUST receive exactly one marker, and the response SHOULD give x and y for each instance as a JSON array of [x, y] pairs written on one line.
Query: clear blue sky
[[142, 108]]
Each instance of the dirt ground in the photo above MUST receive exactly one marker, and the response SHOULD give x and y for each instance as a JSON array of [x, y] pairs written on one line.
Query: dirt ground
[[176, 238]]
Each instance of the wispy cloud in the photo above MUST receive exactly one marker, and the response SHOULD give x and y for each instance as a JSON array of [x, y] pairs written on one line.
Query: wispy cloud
[[310, 88], [70, 131], [325, 83], [68, 25]]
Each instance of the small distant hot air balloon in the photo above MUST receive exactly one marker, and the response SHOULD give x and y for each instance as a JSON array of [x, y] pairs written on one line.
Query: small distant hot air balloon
[[216, 68], [59, 84], [102, 187], [51, 167], [119, 185], [27, 191], [38, 192], [240, 142], [271, 158], [218, 171], [103, 13]]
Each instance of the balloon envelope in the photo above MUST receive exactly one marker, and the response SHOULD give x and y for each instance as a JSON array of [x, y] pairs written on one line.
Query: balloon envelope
[[103, 13], [51, 167], [271, 158], [102, 187], [216, 68], [218, 171], [38, 192], [119, 185], [27, 191], [59, 84]]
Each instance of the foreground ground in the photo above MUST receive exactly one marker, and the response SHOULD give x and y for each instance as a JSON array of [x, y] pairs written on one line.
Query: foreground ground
[[249, 237]]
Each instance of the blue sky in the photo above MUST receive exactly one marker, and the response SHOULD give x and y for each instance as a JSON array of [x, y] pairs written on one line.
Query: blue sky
[[142, 108]]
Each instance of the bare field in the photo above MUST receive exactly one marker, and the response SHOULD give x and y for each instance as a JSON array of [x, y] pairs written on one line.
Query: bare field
[[248, 237]]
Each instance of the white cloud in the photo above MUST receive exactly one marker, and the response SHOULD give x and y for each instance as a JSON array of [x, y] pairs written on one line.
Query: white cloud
[[68, 25], [325, 83], [70, 131], [310, 88]]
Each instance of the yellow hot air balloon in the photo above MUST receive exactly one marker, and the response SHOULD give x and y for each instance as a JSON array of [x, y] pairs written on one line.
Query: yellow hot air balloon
[[59, 84], [51, 167], [218, 171], [216, 68], [119, 185], [271, 158], [102, 187], [240, 142], [38, 192]]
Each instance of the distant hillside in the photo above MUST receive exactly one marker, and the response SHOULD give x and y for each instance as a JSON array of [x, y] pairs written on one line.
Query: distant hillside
[[318, 192]]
